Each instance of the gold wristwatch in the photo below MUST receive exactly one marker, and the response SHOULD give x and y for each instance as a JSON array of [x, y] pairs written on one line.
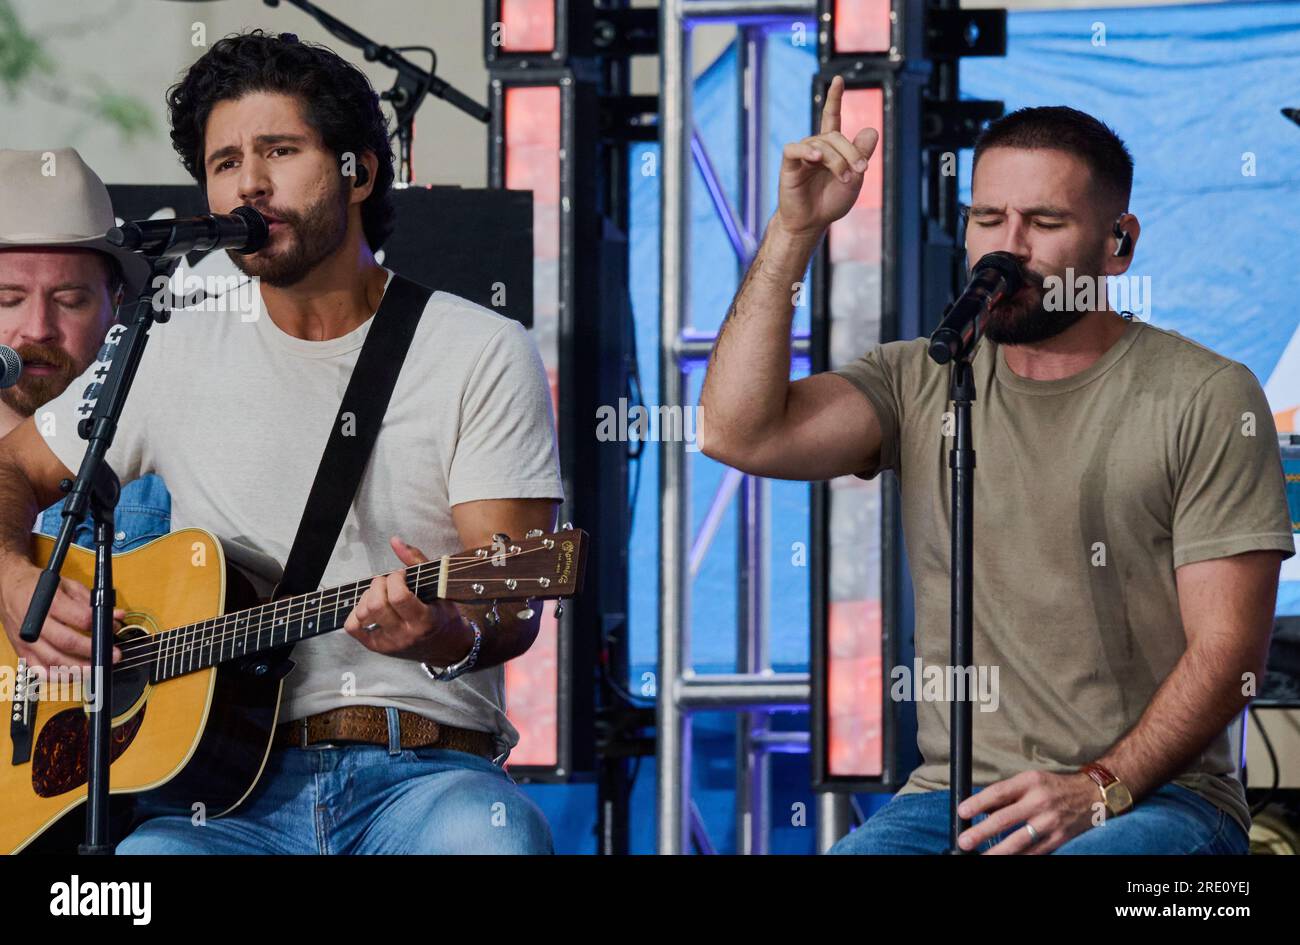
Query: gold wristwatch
[[1114, 794]]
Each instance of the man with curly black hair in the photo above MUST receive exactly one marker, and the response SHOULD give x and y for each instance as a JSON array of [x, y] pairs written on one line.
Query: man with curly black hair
[[289, 100], [396, 728]]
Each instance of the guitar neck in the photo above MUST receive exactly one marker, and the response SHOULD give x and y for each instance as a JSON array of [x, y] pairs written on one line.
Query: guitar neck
[[539, 566], [265, 627]]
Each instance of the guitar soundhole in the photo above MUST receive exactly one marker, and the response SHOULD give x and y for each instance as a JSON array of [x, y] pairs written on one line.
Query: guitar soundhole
[[129, 684], [62, 752]]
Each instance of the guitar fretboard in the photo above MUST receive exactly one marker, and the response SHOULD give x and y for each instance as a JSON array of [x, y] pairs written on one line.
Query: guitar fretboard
[[247, 632]]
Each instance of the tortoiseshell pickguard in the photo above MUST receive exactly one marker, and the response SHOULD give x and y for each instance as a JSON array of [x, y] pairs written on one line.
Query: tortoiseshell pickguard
[[61, 757]]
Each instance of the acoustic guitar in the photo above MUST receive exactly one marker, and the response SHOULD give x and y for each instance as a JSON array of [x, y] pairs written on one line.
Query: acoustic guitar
[[197, 691]]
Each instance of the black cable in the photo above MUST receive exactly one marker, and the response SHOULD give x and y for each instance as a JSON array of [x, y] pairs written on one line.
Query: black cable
[[634, 455], [637, 702], [1272, 758], [637, 398]]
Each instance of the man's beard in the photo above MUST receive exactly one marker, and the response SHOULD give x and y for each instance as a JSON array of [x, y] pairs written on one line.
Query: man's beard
[[33, 391], [310, 236], [1021, 319]]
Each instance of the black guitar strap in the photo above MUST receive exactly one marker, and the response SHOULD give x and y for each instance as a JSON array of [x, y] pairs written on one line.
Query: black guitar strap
[[356, 427]]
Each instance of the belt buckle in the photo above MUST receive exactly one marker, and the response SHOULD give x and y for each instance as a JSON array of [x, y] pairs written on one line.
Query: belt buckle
[[303, 743]]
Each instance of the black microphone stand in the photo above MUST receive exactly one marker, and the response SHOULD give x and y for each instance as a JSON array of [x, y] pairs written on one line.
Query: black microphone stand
[[97, 486], [961, 460], [957, 347], [995, 275], [408, 92]]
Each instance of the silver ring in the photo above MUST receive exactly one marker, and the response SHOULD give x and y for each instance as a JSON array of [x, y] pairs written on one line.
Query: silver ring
[[370, 627], [1033, 834]]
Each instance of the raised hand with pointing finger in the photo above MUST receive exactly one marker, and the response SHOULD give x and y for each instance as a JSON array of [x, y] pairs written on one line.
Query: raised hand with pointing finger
[[752, 416], [822, 175]]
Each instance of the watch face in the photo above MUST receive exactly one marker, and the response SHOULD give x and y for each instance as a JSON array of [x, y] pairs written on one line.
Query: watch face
[[1118, 798]]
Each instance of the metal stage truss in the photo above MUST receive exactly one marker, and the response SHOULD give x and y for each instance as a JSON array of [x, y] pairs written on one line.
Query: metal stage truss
[[900, 62], [754, 691]]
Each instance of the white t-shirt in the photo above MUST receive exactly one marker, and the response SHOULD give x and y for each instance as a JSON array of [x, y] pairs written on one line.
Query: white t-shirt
[[233, 414]]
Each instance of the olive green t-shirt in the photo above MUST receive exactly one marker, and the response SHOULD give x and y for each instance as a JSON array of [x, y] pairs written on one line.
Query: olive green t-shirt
[[1089, 492]]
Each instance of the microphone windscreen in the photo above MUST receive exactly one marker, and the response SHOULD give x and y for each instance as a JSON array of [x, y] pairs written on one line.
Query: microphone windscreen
[[258, 231], [1006, 266], [11, 366]]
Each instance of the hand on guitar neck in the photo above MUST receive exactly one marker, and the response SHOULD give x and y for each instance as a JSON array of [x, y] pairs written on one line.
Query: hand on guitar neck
[[405, 626]]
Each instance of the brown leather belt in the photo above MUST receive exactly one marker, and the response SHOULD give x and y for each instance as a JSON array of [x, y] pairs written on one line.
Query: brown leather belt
[[368, 724]]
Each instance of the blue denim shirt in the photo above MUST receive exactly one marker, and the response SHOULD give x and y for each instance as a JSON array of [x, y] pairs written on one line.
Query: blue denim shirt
[[144, 512]]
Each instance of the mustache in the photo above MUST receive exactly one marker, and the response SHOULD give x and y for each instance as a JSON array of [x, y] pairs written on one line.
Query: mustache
[[1030, 281], [283, 215], [1029, 277], [47, 354]]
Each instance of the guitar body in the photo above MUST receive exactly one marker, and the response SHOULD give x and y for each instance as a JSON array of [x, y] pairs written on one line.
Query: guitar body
[[195, 699], [196, 739]]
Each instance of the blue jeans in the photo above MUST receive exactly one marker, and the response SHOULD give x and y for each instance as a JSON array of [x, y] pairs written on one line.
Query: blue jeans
[[363, 799], [1171, 820]]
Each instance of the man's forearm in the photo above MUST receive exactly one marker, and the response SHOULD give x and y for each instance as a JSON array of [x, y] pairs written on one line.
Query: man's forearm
[[749, 369], [18, 511], [1193, 705]]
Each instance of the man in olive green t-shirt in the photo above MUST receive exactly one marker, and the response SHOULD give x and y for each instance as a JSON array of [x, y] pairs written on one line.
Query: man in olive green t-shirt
[[1130, 512]]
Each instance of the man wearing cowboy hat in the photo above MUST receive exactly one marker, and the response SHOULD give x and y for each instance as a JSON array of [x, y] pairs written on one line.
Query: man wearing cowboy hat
[[60, 284]]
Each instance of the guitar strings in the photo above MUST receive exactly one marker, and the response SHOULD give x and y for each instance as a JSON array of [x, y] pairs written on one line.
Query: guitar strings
[[202, 636], [163, 647], [181, 651]]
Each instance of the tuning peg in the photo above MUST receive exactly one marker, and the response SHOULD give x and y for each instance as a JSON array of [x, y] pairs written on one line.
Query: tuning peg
[[501, 537], [533, 533], [566, 527], [492, 617], [527, 612], [559, 609]]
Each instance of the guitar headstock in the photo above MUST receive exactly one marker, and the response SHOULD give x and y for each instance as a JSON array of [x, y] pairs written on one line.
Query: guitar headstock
[[538, 566]]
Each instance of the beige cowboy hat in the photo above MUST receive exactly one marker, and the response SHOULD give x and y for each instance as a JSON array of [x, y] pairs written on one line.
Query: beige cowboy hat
[[52, 198]]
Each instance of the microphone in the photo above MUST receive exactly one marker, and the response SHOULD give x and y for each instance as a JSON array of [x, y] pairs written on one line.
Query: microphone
[[995, 276], [11, 366], [243, 229]]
